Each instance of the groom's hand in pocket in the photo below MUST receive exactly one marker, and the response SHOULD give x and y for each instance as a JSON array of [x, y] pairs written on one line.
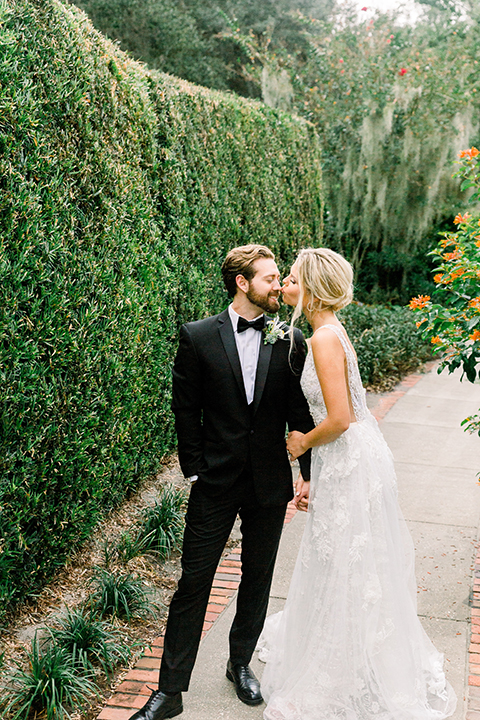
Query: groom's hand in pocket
[[302, 490]]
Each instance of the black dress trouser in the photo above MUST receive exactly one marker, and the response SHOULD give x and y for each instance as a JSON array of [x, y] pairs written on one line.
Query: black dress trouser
[[209, 521]]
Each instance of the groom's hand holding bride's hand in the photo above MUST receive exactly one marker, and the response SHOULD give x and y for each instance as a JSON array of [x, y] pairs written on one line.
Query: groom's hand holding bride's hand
[[302, 489], [295, 448]]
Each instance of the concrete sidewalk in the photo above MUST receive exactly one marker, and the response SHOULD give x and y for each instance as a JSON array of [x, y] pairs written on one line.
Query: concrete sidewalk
[[436, 464]]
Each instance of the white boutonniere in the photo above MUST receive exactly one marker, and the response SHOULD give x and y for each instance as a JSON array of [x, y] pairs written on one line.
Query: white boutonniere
[[274, 330]]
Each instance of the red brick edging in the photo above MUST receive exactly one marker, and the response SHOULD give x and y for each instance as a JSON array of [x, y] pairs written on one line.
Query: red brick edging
[[389, 400], [473, 699]]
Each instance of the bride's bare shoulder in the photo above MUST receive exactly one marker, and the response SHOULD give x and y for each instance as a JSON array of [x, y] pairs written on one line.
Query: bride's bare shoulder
[[325, 340]]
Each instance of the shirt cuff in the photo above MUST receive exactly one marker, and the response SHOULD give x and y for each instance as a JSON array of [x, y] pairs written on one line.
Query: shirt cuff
[[193, 478]]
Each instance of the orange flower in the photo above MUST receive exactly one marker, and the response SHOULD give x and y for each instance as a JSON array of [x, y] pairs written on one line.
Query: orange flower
[[420, 322], [473, 152], [453, 255], [437, 278], [451, 240], [475, 303], [419, 302], [457, 273], [461, 218], [475, 335], [435, 340], [477, 243]]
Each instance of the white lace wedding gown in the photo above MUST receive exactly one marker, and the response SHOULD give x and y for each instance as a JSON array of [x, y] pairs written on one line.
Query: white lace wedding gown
[[349, 645]]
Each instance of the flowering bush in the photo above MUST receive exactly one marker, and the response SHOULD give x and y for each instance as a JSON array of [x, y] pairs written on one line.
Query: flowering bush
[[452, 319]]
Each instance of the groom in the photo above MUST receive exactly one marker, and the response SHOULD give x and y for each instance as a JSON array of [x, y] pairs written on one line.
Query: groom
[[236, 386]]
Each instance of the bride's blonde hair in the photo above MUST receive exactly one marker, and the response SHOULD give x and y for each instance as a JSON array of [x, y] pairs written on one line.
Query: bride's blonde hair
[[326, 278]]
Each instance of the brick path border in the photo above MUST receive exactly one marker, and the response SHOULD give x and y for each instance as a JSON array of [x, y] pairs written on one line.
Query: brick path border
[[132, 693], [389, 399], [473, 698]]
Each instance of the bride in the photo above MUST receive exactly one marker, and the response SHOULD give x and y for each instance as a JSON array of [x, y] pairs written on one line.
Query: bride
[[349, 644]]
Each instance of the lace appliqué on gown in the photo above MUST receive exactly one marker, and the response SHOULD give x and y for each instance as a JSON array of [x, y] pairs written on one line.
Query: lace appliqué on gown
[[349, 645]]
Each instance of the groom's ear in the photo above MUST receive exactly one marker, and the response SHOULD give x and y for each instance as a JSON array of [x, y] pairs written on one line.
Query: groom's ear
[[242, 283]]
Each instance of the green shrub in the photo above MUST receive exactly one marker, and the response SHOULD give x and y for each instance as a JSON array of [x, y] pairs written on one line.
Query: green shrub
[[121, 191], [387, 342], [97, 642], [119, 595], [162, 523], [53, 685], [128, 546]]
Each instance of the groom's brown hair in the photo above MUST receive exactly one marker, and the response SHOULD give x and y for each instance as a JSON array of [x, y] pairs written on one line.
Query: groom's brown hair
[[239, 261]]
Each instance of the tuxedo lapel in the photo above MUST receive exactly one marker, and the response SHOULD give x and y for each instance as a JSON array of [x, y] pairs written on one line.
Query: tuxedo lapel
[[262, 371], [228, 339]]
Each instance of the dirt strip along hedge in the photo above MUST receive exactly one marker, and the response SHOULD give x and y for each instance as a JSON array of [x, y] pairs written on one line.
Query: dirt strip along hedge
[[120, 192]]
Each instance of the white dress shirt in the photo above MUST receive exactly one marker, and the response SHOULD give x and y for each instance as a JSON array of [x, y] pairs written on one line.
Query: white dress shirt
[[248, 348]]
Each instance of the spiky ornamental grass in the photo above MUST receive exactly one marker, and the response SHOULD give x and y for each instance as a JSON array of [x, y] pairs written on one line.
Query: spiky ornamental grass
[[93, 640], [56, 683], [129, 545], [162, 524], [119, 595]]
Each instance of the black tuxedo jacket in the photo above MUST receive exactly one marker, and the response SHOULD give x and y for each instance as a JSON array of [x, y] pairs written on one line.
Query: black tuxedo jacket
[[218, 432]]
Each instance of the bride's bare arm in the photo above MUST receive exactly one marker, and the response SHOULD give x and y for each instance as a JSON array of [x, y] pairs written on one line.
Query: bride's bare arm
[[329, 358]]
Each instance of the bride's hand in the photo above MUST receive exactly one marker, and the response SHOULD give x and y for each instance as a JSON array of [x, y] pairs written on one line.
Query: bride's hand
[[295, 444]]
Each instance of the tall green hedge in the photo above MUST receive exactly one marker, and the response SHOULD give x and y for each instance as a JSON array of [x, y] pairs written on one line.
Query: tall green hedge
[[121, 190]]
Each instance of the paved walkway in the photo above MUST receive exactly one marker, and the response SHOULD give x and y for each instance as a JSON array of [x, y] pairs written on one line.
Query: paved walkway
[[436, 465]]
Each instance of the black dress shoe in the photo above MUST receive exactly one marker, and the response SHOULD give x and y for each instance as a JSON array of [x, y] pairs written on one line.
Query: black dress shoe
[[246, 684], [160, 707]]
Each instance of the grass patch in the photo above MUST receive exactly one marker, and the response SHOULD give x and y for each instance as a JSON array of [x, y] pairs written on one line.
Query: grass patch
[[92, 640], [128, 546], [57, 681], [162, 524], [119, 595]]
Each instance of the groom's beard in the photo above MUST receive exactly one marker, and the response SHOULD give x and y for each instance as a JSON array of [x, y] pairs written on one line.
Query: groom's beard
[[268, 303]]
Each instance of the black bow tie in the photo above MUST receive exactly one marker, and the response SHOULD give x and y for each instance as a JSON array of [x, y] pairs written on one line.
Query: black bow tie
[[257, 324]]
